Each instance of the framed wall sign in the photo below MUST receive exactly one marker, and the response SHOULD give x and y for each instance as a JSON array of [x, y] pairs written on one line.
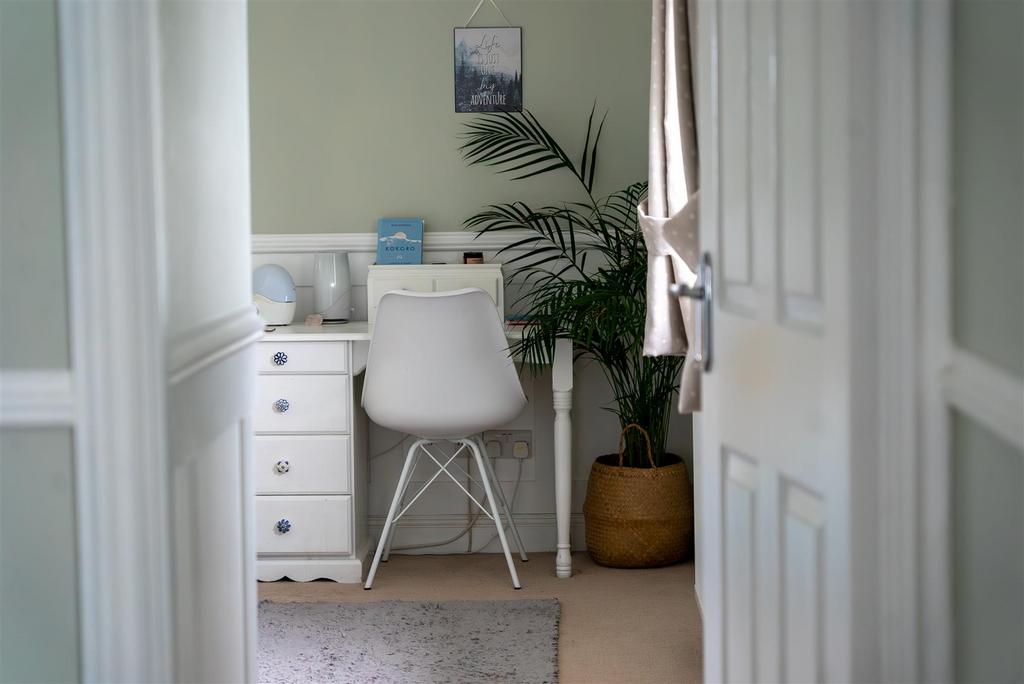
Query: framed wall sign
[[489, 69]]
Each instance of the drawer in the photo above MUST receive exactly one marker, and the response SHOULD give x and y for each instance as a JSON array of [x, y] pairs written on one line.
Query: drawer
[[382, 285], [315, 403], [302, 357], [310, 464], [490, 285], [315, 524]]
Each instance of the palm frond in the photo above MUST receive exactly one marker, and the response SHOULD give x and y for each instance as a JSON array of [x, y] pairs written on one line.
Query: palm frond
[[582, 267], [513, 142]]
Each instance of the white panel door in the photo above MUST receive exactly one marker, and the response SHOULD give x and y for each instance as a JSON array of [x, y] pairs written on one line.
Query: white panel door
[[774, 438]]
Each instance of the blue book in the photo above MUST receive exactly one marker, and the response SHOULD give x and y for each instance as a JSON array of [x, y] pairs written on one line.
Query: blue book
[[400, 241]]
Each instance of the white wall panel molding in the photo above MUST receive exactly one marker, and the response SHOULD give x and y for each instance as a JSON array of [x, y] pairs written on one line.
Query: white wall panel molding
[[987, 394], [211, 342], [36, 397], [433, 241]]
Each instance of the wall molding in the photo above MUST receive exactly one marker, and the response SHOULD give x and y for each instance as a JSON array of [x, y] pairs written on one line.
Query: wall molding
[[112, 132], [433, 241], [987, 394], [208, 343], [37, 398]]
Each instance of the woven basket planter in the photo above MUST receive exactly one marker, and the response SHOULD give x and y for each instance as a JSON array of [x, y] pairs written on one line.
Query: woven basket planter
[[638, 517]]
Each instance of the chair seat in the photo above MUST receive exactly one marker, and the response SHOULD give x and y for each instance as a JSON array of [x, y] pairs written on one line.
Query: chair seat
[[452, 425], [439, 366]]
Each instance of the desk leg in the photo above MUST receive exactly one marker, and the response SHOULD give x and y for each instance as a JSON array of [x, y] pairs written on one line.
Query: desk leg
[[561, 380]]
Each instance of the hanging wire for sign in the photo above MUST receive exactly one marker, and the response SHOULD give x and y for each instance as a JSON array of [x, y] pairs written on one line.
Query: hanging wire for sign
[[481, 4]]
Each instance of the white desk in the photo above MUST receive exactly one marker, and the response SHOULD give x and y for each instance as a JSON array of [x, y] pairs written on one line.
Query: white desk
[[561, 386]]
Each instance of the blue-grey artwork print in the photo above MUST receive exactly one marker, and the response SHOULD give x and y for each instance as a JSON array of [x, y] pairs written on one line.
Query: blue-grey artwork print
[[489, 69]]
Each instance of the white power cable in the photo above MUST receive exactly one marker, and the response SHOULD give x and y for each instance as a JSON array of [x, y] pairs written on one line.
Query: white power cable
[[391, 448], [511, 504], [468, 529], [465, 530]]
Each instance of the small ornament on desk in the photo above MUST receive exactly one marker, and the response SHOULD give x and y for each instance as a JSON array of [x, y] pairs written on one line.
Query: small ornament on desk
[[314, 320], [472, 257]]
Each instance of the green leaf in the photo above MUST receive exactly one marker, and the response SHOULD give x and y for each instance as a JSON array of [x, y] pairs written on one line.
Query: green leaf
[[581, 267]]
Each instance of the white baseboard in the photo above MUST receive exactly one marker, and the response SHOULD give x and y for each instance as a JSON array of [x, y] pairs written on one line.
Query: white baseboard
[[537, 530]]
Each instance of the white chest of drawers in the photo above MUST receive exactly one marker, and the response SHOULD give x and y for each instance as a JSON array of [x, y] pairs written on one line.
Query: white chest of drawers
[[309, 454]]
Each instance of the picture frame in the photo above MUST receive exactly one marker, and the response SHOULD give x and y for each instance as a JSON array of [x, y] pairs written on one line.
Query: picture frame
[[488, 63]]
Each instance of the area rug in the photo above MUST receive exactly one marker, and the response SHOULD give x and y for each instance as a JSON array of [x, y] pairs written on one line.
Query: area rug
[[400, 641]]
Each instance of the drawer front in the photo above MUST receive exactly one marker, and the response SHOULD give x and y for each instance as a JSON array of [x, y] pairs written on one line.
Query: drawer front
[[302, 403], [382, 285], [302, 464], [488, 284], [301, 357], [314, 524]]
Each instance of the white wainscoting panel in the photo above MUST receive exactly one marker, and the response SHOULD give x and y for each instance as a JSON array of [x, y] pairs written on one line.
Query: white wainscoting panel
[[295, 253]]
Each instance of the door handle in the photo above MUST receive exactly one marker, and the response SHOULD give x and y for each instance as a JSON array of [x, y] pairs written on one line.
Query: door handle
[[702, 291]]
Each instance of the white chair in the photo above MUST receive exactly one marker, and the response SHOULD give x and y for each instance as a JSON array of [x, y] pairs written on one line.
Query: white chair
[[439, 369]]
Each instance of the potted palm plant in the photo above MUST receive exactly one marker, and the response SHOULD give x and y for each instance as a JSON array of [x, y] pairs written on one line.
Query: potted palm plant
[[582, 267]]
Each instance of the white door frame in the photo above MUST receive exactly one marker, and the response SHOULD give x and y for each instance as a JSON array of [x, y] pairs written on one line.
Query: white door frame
[[934, 185], [110, 93], [898, 300]]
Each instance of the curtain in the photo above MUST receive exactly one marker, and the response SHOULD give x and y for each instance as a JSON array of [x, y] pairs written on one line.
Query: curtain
[[670, 216]]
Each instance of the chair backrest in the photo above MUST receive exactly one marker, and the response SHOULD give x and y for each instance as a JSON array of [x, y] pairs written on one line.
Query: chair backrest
[[439, 365]]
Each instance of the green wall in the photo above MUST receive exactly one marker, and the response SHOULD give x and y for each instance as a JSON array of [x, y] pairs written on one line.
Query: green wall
[[988, 319], [33, 300], [988, 170], [38, 576], [988, 559], [38, 580], [353, 116]]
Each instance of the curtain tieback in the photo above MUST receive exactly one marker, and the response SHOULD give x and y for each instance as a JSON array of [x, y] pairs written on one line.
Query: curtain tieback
[[677, 235]]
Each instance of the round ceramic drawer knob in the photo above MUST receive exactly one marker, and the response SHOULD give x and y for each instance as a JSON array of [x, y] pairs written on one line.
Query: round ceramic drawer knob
[[283, 466], [281, 405], [280, 358], [283, 526]]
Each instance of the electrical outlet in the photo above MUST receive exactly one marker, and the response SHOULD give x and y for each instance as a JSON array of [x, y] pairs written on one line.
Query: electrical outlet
[[509, 443]]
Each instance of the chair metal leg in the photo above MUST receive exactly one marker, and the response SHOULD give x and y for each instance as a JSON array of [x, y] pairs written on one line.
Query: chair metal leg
[[494, 509], [503, 502], [403, 481], [401, 500]]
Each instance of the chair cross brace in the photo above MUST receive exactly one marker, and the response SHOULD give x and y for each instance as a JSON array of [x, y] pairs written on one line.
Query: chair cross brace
[[443, 468]]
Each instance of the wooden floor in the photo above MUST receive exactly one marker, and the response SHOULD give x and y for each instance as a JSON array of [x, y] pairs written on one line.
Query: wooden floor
[[617, 625]]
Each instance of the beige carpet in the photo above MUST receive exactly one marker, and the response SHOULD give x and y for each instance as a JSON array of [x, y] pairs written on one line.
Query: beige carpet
[[617, 625]]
